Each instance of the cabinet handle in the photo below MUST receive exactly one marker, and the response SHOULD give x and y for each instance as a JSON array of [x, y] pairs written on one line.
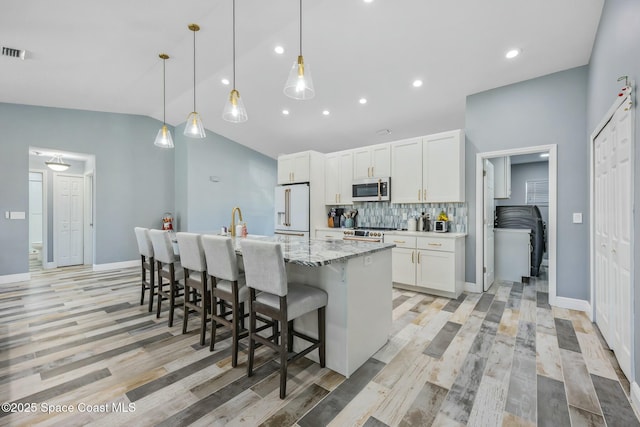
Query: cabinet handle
[[339, 198], [418, 257], [399, 241], [412, 253], [435, 244], [372, 174], [419, 193], [424, 197]]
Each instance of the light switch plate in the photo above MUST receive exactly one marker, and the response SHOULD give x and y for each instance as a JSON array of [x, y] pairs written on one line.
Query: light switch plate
[[17, 215], [577, 217]]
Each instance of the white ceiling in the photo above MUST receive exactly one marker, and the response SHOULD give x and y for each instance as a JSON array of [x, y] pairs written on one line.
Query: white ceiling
[[103, 56]]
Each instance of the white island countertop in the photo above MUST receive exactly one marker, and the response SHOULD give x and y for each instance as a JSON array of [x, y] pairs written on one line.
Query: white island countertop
[[316, 253]]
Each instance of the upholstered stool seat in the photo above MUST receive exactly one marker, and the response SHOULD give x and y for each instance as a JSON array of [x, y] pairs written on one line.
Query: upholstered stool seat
[[147, 263], [168, 267], [281, 301]]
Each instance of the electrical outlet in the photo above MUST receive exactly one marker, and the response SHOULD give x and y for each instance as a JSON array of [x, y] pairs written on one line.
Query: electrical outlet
[[577, 217]]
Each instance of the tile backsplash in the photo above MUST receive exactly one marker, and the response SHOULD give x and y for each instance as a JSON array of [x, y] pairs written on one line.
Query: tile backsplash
[[384, 214]]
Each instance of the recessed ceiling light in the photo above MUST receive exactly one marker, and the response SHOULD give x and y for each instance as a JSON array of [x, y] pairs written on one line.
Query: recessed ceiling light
[[544, 155], [279, 50], [325, 112], [363, 100], [417, 83], [368, 1], [225, 82], [512, 53], [285, 112]]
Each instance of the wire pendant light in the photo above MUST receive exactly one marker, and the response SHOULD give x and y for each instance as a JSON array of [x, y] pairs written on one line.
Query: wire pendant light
[[163, 139], [234, 110], [57, 164], [194, 127], [299, 84]]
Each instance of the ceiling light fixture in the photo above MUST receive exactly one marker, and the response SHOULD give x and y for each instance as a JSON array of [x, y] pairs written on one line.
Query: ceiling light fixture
[[363, 100], [57, 164], [299, 84], [285, 112], [417, 83], [234, 110], [194, 127], [512, 53], [325, 112], [279, 50], [163, 139], [225, 82]]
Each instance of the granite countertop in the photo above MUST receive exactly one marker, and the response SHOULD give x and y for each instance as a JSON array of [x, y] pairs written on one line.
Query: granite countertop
[[316, 253]]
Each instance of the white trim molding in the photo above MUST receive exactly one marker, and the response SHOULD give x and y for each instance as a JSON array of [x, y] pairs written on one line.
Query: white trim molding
[[13, 278], [472, 287], [573, 304], [635, 397], [116, 265]]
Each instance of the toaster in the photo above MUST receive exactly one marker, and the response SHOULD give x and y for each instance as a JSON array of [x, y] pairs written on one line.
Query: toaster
[[440, 227]]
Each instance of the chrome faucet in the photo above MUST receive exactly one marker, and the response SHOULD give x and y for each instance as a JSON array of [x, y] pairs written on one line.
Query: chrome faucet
[[233, 219]]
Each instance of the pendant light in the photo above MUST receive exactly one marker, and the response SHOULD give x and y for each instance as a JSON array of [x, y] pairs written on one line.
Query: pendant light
[[194, 127], [57, 164], [299, 84], [163, 139], [234, 110]]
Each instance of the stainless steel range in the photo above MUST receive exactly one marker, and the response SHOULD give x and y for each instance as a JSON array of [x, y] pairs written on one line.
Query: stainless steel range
[[365, 234]]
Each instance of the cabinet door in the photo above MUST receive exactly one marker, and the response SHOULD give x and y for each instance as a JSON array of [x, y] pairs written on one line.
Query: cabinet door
[[403, 266], [443, 167], [346, 178], [502, 177], [406, 171], [436, 270], [381, 160], [285, 167], [362, 163], [300, 168], [331, 178]]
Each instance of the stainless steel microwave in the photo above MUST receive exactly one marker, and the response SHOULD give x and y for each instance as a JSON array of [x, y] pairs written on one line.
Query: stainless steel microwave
[[371, 190]]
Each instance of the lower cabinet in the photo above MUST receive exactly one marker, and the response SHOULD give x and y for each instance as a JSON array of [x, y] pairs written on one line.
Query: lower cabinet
[[428, 264]]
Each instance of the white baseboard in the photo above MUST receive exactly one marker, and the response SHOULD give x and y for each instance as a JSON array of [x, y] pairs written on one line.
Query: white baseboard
[[49, 265], [116, 265], [635, 397], [572, 304], [13, 278], [472, 287]]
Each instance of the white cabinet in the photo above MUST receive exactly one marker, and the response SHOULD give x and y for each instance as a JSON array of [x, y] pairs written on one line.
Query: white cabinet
[[443, 167], [428, 169], [372, 161], [512, 254], [501, 177], [293, 168], [428, 264], [338, 178]]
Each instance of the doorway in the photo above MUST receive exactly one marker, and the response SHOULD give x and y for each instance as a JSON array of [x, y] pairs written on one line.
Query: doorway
[[37, 219], [68, 219], [483, 238]]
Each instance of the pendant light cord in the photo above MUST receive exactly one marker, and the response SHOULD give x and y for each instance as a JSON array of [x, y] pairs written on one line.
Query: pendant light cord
[[194, 71], [164, 92], [234, 44], [300, 27]]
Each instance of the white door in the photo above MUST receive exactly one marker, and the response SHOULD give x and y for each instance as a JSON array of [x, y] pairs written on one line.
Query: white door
[[612, 182], [602, 201], [68, 219], [488, 222]]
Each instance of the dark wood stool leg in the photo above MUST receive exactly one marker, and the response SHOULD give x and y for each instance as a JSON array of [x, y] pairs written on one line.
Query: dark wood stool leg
[[144, 279], [234, 325], [252, 330], [185, 318], [203, 308], [172, 294], [160, 284], [290, 335], [321, 335], [214, 322]]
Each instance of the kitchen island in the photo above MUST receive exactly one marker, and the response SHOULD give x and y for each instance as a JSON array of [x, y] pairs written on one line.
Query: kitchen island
[[357, 279]]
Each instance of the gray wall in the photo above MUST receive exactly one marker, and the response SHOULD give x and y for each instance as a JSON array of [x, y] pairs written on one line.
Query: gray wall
[[546, 110], [214, 175], [134, 180], [616, 52], [520, 174]]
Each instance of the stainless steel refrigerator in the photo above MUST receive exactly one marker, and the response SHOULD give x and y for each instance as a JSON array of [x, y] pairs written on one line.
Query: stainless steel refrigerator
[[292, 210]]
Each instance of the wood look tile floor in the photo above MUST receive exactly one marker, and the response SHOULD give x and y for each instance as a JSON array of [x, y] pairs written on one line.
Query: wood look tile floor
[[78, 349]]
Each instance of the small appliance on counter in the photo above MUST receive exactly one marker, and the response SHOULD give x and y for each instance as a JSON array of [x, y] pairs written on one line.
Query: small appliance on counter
[[440, 227]]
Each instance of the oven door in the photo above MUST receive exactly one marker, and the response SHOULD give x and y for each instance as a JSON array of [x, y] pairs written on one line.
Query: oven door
[[371, 190], [363, 239]]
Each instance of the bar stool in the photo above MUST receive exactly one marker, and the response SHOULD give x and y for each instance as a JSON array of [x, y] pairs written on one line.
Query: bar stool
[[169, 267], [281, 301], [195, 280], [147, 263]]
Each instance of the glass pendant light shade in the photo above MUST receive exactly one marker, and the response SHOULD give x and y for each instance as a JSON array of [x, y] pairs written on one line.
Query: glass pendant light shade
[[234, 110], [299, 84], [57, 164], [194, 127], [163, 139]]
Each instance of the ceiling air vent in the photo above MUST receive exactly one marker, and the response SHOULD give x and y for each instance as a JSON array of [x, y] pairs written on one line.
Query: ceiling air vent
[[13, 53]]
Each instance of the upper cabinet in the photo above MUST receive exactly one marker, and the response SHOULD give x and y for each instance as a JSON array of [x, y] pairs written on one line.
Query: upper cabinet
[[293, 168], [372, 161], [338, 176], [429, 169], [501, 177]]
